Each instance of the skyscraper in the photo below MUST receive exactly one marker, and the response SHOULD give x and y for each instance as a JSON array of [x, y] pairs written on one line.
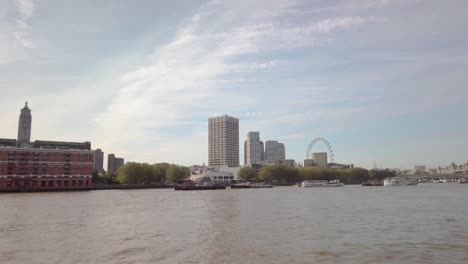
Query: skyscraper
[[114, 163], [274, 152], [98, 163], [24, 126], [253, 149], [223, 141]]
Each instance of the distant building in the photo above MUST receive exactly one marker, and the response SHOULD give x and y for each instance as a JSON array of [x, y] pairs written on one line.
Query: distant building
[[253, 149], [119, 162], [340, 166], [217, 174], [419, 168], [320, 159], [43, 165], [290, 162], [309, 163], [274, 152], [98, 163], [24, 126], [223, 141], [114, 163]]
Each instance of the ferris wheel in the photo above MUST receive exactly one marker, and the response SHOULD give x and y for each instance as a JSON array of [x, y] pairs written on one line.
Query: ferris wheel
[[327, 144]]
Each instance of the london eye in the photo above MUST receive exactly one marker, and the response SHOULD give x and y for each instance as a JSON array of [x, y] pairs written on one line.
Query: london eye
[[326, 143]]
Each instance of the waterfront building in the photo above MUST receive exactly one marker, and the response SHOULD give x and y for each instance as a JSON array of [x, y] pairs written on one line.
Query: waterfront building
[[214, 176], [223, 141], [253, 149], [114, 163], [43, 165], [274, 152], [98, 164]]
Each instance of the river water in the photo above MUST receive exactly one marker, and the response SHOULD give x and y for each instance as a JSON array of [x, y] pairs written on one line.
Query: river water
[[427, 223]]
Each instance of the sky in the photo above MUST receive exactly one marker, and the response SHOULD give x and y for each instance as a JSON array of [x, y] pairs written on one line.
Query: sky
[[384, 81]]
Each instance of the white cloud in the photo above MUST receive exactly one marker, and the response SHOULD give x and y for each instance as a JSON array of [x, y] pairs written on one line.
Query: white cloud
[[25, 9]]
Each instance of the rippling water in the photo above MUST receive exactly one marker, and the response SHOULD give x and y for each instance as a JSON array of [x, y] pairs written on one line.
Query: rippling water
[[427, 223]]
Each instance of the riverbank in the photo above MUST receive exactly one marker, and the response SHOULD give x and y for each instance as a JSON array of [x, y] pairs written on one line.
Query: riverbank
[[93, 188]]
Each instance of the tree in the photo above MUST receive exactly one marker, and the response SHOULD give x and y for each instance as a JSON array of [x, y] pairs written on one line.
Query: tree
[[279, 173], [160, 172], [177, 173], [247, 174]]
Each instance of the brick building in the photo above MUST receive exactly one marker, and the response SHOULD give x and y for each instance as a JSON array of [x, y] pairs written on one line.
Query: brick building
[[43, 165]]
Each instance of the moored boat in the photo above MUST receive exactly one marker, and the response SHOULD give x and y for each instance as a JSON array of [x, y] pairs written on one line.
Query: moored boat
[[399, 181], [321, 183], [373, 183], [191, 186], [240, 186], [250, 185], [261, 185], [463, 180]]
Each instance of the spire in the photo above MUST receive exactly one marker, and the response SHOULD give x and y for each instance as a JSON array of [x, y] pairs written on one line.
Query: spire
[[26, 105]]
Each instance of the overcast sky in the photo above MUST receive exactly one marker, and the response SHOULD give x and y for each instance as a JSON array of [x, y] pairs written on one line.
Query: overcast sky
[[385, 81]]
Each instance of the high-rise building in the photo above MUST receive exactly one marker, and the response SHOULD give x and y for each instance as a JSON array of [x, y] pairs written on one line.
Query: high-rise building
[[119, 162], [274, 152], [223, 141], [98, 163], [253, 149], [24, 125], [114, 163]]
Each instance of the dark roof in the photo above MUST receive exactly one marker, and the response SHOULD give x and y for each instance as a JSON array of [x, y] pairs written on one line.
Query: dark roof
[[7, 142]]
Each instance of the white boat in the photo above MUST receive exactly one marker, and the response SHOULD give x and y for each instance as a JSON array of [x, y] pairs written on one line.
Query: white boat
[[399, 181], [260, 185], [463, 180], [334, 183]]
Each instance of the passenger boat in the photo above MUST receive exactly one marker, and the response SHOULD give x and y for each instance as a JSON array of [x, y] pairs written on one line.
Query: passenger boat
[[318, 183], [191, 186], [250, 185], [373, 183], [399, 181], [261, 185], [240, 186], [463, 180]]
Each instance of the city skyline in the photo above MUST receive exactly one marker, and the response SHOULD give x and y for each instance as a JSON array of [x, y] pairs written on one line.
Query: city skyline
[[383, 81]]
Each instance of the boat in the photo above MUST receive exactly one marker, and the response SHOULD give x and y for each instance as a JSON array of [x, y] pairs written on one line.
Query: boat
[[240, 186], [191, 186], [373, 183], [321, 183], [250, 185], [260, 185], [399, 181], [463, 180]]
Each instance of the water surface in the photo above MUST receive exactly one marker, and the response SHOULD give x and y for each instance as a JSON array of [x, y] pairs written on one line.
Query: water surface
[[427, 223]]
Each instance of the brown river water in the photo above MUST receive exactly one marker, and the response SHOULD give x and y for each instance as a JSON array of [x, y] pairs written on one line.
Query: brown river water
[[427, 223]]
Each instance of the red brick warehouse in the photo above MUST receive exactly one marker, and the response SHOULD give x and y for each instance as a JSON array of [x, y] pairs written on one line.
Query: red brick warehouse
[[43, 165]]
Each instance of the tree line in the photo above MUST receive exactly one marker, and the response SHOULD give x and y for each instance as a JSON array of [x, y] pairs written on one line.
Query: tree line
[[144, 173], [285, 174]]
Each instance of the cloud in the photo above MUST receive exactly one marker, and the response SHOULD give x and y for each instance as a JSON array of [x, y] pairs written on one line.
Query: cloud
[[25, 9], [189, 74], [341, 23]]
